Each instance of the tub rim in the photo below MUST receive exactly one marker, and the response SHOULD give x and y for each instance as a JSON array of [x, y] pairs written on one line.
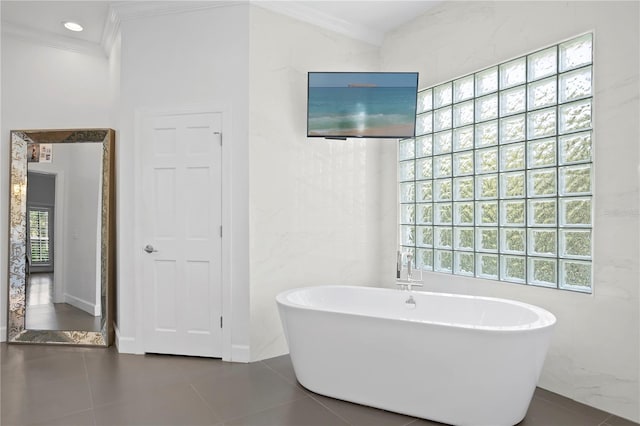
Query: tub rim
[[545, 319]]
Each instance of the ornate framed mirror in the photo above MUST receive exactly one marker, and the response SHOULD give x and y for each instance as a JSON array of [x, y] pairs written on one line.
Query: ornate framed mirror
[[62, 237]]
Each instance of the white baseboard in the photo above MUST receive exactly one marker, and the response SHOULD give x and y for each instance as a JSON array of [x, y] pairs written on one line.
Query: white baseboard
[[240, 353], [125, 345], [3, 334], [88, 307]]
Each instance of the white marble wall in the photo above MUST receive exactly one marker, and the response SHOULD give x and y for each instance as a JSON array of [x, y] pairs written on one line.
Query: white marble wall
[[595, 356], [314, 203]]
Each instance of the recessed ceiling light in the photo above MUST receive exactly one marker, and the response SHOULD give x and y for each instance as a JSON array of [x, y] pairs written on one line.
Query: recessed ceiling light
[[72, 26]]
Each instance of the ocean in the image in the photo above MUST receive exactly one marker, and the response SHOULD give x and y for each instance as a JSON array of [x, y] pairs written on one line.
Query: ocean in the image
[[362, 111]]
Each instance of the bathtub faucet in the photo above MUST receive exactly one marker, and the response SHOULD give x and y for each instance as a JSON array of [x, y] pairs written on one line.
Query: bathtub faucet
[[412, 280]]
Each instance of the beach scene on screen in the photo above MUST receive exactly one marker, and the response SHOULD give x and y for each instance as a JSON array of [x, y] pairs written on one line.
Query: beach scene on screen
[[362, 104]]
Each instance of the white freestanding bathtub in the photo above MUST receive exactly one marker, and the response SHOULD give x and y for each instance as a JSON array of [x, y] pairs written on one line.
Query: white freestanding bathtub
[[462, 360]]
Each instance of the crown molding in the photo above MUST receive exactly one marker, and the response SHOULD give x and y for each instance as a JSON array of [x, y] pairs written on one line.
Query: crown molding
[[110, 31], [49, 39], [307, 14], [129, 10]]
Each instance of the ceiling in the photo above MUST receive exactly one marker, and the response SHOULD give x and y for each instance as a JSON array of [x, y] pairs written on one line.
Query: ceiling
[[47, 17], [360, 19]]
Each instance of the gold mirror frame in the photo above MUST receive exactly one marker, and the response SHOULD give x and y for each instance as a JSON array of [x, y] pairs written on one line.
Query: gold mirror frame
[[16, 331]]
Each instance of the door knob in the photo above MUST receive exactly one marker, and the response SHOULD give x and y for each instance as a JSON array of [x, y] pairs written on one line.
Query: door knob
[[149, 249]]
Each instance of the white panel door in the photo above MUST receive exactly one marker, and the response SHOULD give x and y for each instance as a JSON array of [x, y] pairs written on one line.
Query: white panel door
[[182, 205]]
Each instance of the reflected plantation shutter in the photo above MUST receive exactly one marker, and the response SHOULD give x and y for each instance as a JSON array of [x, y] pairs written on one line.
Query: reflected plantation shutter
[[39, 235]]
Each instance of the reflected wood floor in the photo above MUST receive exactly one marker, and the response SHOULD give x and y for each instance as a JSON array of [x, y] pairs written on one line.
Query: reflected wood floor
[[59, 385], [43, 314]]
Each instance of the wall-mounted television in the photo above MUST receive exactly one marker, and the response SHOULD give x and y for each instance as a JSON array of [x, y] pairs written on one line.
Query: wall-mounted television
[[344, 105]]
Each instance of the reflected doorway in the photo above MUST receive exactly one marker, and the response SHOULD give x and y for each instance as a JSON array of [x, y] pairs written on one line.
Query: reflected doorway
[[41, 205]]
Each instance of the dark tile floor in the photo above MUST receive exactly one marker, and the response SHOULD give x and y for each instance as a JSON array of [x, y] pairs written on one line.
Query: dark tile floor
[[56, 385]]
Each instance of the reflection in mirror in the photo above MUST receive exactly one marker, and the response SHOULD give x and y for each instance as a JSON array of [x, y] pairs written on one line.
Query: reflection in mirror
[[62, 228], [63, 292]]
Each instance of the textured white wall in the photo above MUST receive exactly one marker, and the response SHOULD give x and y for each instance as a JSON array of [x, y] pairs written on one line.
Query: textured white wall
[[315, 204], [594, 355]]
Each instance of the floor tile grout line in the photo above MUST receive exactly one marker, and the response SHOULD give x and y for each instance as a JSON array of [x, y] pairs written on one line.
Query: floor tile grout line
[[231, 419], [224, 421], [312, 396], [605, 420], [72, 413], [330, 410], [308, 392], [411, 421], [570, 410], [218, 416], [86, 376], [293, 382], [184, 381], [42, 358]]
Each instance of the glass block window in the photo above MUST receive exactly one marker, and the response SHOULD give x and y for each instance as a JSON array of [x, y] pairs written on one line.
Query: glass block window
[[497, 182]]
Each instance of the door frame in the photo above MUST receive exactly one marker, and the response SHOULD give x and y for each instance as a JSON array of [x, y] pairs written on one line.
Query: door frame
[[59, 265], [140, 115]]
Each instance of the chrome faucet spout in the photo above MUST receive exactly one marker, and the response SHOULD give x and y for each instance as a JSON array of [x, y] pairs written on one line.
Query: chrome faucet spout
[[411, 280]]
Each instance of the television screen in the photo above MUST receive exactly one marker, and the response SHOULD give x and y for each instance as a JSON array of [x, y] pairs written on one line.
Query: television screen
[[344, 105]]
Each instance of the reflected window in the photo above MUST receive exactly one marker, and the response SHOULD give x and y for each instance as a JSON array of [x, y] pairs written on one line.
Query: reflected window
[[39, 232]]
